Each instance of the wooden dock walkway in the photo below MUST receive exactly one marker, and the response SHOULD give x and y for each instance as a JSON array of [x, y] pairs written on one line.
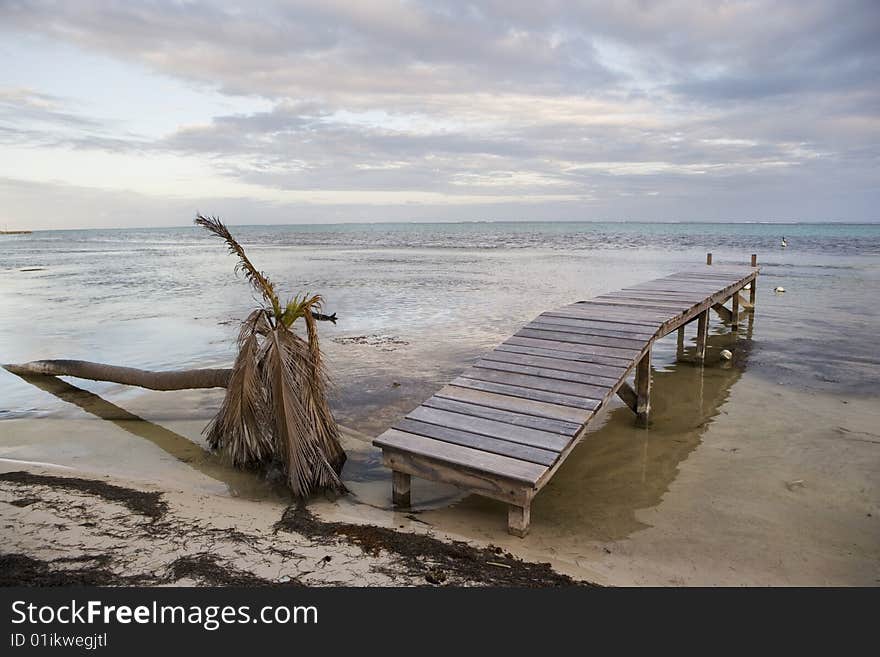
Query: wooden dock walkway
[[505, 426]]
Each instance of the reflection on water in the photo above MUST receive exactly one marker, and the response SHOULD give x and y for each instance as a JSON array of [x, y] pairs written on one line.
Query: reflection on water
[[240, 483], [619, 468]]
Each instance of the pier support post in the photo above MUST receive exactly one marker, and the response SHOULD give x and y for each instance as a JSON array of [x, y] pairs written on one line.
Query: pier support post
[[679, 348], [702, 334], [753, 284], [518, 518], [734, 312], [400, 483], [708, 258], [643, 389]]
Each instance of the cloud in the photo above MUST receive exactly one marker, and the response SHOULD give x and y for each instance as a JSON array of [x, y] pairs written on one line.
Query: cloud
[[614, 109]]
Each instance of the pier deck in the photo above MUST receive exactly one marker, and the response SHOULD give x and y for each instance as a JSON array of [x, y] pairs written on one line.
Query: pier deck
[[506, 424]]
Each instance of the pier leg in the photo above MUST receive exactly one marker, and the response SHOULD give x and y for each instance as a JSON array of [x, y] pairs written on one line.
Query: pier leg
[[702, 335], [518, 518], [400, 482], [734, 312], [752, 293], [679, 348], [643, 389]]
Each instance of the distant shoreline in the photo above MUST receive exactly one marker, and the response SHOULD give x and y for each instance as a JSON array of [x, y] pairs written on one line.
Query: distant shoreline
[[780, 223]]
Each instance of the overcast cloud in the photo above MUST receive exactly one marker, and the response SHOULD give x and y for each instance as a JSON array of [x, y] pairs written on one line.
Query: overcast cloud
[[127, 113]]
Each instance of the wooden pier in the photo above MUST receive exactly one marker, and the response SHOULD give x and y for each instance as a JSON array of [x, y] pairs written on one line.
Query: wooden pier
[[504, 427]]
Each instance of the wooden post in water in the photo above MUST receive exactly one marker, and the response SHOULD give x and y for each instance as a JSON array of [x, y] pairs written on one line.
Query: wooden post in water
[[734, 312], [679, 348], [752, 293], [702, 334], [708, 258], [400, 484], [643, 389], [518, 518]]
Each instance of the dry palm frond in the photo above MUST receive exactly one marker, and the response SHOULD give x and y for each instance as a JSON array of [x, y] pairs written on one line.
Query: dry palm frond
[[256, 278], [240, 425], [276, 404], [286, 373], [318, 406]]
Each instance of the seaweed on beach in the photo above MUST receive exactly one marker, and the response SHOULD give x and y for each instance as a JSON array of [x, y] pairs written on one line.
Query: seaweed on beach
[[91, 570], [23, 570], [149, 504], [205, 569], [435, 561]]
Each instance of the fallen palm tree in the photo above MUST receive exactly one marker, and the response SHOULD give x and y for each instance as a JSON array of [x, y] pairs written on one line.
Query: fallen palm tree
[[275, 408]]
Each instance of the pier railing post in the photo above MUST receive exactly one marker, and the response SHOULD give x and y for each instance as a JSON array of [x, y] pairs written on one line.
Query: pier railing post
[[708, 258], [643, 389]]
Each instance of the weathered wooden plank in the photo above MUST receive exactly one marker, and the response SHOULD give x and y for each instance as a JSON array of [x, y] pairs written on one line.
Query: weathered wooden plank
[[595, 338], [594, 359], [621, 314], [567, 429], [674, 286], [537, 383], [653, 295], [528, 393], [650, 305], [628, 396], [723, 312], [606, 309], [685, 299], [562, 375], [665, 298], [606, 371], [481, 442], [486, 484], [621, 349], [515, 404], [487, 427], [592, 315], [622, 355], [630, 331], [500, 466]]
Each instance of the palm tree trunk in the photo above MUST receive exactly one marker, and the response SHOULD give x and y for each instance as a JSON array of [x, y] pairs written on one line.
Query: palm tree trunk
[[81, 369]]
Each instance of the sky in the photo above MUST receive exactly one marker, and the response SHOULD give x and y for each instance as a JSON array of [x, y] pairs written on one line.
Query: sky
[[116, 114]]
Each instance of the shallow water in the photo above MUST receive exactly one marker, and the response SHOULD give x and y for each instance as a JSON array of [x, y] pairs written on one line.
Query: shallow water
[[417, 304]]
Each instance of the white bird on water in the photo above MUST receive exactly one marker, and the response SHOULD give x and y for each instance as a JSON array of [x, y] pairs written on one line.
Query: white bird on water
[[784, 243]]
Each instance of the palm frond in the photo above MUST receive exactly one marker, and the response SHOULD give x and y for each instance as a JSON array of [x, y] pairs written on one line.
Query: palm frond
[[285, 372], [240, 426], [255, 277], [317, 383]]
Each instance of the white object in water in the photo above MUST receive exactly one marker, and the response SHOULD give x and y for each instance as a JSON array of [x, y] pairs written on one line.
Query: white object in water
[[784, 243], [726, 354], [779, 289]]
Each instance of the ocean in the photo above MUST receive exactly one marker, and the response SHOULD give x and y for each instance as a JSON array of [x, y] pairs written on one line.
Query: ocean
[[417, 303]]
